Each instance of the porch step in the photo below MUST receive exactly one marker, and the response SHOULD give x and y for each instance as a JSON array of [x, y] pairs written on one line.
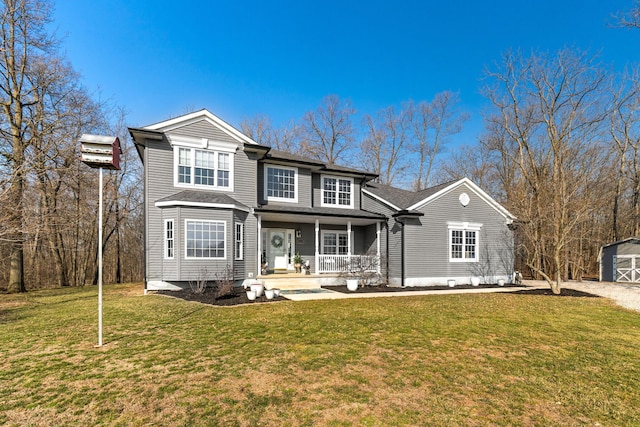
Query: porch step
[[296, 281]]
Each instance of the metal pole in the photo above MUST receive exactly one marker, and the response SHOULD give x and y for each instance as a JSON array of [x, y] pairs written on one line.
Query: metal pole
[[100, 265]]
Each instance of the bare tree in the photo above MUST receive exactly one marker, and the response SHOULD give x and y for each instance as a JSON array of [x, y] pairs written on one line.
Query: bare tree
[[25, 49], [383, 149], [631, 18], [260, 129], [328, 131], [431, 124], [549, 115]]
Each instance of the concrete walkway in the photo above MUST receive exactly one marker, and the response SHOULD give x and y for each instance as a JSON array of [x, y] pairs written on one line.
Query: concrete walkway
[[319, 294]]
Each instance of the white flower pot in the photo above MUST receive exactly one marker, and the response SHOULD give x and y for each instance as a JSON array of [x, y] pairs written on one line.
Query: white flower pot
[[251, 295], [475, 281], [500, 282], [268, 293], [352, 284], [258, 289], [451, 283], [276, 292]]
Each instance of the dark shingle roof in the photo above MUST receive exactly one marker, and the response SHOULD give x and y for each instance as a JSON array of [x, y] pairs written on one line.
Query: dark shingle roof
[[193, 196], [296, 158], [321, 211], [403, 198]]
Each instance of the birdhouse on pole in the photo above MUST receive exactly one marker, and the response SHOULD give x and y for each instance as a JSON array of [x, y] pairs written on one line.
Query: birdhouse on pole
[[100, 151]]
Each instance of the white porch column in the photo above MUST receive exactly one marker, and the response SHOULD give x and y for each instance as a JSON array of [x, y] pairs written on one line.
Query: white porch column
[[349, 238], [317, 241], [259, 245], [378, 244]]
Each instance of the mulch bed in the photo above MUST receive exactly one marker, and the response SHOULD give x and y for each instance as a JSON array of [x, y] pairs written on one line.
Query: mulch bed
[[564, 292], [239, 296]]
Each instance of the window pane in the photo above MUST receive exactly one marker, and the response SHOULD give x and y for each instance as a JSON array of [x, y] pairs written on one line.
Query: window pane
[[281, 183], [205, 239], [343, 244], [329, 191], [344, 192]]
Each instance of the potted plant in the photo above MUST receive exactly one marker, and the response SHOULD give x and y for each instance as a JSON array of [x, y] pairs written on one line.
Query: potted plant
[[297, 262]]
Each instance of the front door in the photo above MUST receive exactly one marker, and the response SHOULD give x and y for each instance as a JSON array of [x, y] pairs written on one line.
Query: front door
[[280, 248]]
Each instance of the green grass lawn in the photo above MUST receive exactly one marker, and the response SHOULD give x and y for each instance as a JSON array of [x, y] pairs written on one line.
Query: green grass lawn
[[484, 359]]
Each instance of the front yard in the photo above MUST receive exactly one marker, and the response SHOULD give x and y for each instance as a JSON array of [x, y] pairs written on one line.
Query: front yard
[[483, 359]]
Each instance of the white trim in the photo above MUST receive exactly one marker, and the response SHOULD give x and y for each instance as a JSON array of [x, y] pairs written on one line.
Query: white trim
[[192, 166], [166, 239], [471, 227], [472, 187], [464, 225], [380, 199], [239, 254], [201, 143], [266, 184], [187, 119], [337, 191], [201, 205], [186, 239]]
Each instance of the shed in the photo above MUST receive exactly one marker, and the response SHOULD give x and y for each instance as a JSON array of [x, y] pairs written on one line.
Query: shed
[[620, 261]]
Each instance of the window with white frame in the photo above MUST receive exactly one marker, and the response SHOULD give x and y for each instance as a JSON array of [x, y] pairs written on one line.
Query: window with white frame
[[335, 243], [168, 239], [281, 183], [203, 168], [463, 242], [337, 192], [205, 239], [239, 241]]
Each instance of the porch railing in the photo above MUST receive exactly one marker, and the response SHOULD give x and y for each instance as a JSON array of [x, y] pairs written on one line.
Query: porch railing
[[342, 263]]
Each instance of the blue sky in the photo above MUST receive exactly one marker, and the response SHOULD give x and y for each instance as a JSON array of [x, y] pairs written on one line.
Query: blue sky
[[160, 59]]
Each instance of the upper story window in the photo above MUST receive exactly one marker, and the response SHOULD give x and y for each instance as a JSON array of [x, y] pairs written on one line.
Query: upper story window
[[463, 242], [203, 168], [337, 192], [281, 183]]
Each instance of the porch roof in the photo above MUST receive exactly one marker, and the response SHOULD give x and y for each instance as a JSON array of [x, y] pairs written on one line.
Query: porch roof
[[325, 215], [201, 199]]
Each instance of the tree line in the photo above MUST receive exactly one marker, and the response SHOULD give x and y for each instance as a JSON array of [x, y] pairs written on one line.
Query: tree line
[[48, 220], [560, 150]]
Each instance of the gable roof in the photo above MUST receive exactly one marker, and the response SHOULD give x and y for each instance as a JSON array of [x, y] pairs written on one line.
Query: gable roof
[[635, 240], [397, 198], [204, 114], [403, 200]]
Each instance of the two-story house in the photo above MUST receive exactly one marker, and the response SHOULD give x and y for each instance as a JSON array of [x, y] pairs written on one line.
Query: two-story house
[[215, 199]]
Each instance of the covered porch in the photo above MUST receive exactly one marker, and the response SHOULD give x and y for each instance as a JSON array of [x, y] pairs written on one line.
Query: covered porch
[[327, 244]]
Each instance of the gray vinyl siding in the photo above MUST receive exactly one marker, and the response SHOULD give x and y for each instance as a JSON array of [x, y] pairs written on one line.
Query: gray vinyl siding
[[245, 178], [203, 129], [158, 184], [390, 242], [427, 238]]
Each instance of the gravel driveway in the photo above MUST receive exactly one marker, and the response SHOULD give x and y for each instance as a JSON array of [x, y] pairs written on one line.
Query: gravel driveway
[[625, 295]]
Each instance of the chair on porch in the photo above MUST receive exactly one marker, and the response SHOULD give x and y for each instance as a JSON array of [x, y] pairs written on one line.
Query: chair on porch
[[280, 264]]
